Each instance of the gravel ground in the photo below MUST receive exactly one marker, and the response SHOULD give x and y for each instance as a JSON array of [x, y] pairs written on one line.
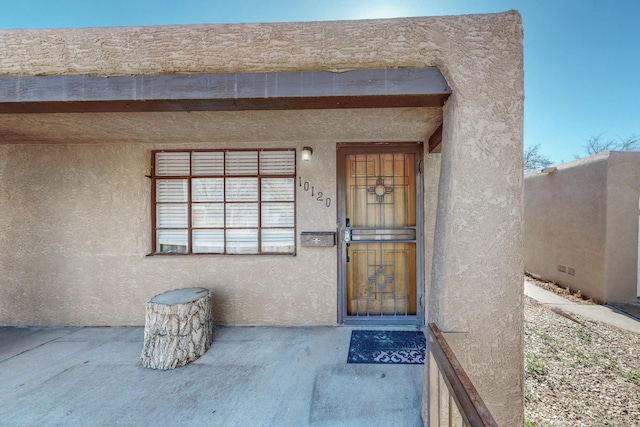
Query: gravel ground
[[579, 372]]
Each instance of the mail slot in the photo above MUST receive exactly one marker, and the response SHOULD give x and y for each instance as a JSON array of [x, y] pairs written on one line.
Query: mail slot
[[318, 238]]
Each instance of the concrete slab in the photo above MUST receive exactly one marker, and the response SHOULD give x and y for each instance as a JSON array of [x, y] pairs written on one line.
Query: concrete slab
[[14, 341], [251, 376], [600, 313]]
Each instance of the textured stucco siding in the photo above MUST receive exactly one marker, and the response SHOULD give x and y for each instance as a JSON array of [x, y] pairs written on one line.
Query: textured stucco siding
[[456, 44], [430, 185], [77, 231], [565, 225], [232, 48], [388, 124], [623, 198], [476, 282], [77, 216], [476, 289], [584, 217]]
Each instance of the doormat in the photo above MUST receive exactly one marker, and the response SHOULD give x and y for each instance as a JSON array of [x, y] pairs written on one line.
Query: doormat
[[401, 347]]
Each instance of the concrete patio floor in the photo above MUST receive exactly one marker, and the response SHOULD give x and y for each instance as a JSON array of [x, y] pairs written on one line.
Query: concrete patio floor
[[251, 376]]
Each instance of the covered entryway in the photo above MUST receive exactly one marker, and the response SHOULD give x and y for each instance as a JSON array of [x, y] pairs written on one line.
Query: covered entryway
[[251, 111], [380, 265], [82, 111]]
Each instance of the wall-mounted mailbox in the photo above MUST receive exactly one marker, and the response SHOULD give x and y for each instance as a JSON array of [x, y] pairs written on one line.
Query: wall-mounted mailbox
[[318, 238]]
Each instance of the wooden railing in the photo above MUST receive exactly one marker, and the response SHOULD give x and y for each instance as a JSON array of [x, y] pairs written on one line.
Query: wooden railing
[[457, 404]]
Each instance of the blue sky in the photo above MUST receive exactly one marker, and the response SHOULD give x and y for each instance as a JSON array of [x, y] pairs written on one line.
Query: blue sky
[[582, 57]]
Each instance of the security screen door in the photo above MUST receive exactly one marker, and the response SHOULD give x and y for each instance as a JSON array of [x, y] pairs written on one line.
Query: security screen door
[[379, 234]]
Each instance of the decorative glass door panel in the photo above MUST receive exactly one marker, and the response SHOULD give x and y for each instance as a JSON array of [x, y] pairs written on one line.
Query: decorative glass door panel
[[379, 246]]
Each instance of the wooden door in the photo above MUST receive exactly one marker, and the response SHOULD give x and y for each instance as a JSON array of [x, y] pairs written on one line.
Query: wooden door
[[379, 235]]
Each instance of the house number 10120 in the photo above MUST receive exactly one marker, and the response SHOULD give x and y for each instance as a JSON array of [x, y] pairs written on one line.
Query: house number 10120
[[317, 194]]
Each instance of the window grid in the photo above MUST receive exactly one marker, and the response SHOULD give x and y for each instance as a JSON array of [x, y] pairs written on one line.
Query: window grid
[[165, 171]]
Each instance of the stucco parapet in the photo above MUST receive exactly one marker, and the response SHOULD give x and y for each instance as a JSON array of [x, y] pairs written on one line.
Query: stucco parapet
[[625, 154], [586, 160], [330, 45], [605, 156], [596, 158]]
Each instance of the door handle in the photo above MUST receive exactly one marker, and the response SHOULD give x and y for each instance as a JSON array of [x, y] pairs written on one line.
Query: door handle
[[347, 231]]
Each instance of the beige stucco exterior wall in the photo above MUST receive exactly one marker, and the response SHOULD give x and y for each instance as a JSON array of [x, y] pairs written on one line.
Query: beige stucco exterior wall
[[583, 218], [79, 229], [77, 232], [78, 221], [565, 224], [431, 182], [476, 292], [623, 197], [477, 256]]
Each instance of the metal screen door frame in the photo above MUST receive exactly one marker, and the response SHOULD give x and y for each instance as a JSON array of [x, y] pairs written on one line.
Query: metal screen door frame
[[343, 151]]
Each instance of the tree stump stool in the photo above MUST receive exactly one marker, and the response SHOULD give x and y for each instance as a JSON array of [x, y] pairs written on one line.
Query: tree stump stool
[[177, 328]]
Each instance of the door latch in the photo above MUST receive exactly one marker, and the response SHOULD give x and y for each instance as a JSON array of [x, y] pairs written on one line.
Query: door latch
[[347, 231]]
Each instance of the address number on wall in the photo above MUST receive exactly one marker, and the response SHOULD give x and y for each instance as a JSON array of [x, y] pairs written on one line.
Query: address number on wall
[[318, 195]]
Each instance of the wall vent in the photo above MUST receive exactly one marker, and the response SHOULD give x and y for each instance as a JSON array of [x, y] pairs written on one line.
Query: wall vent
[[567, 270]]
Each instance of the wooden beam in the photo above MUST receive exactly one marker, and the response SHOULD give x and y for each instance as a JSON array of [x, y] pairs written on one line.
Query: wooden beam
[[435, 140], [402, 87]]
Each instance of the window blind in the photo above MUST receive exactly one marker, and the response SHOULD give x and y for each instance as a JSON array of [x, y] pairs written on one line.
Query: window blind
[[224, 201]]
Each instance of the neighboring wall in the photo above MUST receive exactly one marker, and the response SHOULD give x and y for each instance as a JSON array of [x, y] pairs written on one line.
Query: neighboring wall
[[623, 203], [581, 225]]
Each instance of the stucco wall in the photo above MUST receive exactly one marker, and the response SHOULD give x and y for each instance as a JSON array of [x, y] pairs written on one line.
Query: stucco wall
[[565, 224], [623, 196], [77, 219], [583, 219], [77, 231], [430, 185], [477, 256], [476, 291], [78, 228]]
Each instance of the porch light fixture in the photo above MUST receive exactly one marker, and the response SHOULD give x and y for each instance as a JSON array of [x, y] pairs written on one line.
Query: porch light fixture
[[306, 154]]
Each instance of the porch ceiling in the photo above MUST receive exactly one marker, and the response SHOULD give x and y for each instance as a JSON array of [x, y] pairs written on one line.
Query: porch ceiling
[[377, 124]]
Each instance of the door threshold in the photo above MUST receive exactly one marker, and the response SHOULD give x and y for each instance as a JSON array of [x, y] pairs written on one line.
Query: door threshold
[[360, 321]]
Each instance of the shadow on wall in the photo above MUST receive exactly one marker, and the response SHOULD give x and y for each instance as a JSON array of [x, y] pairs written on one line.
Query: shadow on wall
[[219, 303]]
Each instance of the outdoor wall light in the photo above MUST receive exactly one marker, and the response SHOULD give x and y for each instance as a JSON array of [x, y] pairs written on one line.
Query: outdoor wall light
[[306, 153]]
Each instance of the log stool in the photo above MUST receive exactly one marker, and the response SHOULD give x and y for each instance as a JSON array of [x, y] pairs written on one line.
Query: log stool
[[177, 328]]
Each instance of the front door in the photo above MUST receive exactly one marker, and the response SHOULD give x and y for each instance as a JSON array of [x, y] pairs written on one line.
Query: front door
[[380, 234]]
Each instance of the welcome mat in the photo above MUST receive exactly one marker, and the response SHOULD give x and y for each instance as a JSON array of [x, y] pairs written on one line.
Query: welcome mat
[[402, 347]]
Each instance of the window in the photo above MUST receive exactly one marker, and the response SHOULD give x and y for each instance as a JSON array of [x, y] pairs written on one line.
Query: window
[[224, 202]]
